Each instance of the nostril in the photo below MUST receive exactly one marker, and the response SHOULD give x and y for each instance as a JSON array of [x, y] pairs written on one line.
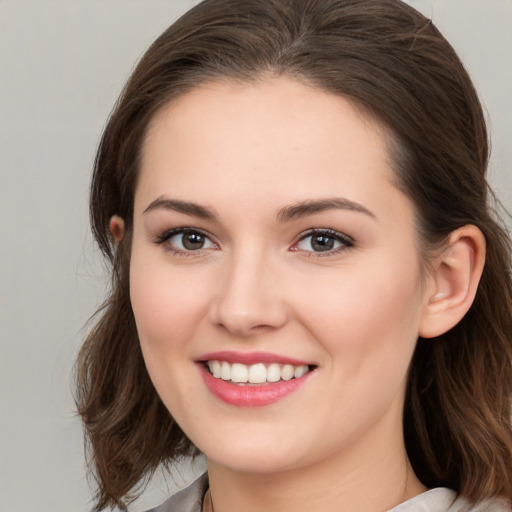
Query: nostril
[[247, 302]]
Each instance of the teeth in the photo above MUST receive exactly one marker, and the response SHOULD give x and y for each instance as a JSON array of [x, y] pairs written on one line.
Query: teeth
[[300, 371], [215, 368], [273, 373], [287, 372], [239, 373], [256, 373], [225, 371]]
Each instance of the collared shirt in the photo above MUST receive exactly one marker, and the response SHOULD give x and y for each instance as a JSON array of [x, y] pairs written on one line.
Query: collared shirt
[[439, 499]]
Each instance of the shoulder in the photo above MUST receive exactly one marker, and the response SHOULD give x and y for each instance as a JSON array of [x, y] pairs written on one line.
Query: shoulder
[[442, 499], [189, 499]]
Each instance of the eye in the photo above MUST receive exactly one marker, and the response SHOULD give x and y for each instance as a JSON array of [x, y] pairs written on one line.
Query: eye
[[323, 241], [183, 240]]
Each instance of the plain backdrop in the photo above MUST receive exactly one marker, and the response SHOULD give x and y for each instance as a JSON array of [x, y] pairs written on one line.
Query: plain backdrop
[[62, 65]]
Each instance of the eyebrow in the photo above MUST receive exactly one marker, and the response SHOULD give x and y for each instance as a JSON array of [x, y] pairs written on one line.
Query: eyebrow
[[304, 208], [286, 214], [185, 207]]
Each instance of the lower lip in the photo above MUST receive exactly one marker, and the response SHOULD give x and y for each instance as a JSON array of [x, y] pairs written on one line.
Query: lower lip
[[250, 395]]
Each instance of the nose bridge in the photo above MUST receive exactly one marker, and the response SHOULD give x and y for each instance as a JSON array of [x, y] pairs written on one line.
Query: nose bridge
[[248, 299]]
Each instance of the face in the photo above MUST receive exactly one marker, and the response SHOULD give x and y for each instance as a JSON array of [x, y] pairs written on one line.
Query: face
[[274, 276]]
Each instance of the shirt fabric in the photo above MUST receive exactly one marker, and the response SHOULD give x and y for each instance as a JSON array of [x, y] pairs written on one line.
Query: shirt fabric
[[439, 499]]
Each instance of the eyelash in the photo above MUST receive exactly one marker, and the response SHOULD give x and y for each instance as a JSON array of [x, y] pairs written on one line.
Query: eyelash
[[345, 242], [167, 235]]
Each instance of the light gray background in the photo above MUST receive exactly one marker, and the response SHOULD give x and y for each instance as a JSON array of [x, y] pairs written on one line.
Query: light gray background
[[62, 65]]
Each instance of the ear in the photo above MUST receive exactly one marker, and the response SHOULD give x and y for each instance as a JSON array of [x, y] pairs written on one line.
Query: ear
[[116, 228], [453, 282]]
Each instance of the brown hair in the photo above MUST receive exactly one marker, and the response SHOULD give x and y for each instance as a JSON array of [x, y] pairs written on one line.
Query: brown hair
[[393, 63]]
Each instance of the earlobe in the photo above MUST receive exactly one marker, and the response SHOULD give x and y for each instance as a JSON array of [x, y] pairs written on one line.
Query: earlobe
[[453, 282], [116, 227]]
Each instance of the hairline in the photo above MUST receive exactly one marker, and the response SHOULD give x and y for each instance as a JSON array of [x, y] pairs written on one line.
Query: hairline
[[394, 145]]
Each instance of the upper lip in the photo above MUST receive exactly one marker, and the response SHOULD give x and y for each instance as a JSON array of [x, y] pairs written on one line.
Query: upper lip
[[249, 358]]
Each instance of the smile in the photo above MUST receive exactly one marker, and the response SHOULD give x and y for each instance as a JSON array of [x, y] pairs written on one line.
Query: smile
[[258, 373], [252, 379]]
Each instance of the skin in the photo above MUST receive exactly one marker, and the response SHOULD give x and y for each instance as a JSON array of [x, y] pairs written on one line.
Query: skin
[[246, 152]]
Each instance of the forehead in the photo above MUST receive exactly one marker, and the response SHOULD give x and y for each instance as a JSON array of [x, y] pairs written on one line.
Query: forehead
[[278, 102], [274, 140]]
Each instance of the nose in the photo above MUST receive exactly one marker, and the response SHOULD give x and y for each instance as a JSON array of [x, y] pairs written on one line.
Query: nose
[[250, 300]]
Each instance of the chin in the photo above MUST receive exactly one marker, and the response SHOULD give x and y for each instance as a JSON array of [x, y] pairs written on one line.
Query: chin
[[251, 455], [252, 463]]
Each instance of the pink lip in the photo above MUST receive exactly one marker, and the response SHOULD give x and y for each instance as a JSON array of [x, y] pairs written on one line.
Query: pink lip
[[249, 358], [250, 395]]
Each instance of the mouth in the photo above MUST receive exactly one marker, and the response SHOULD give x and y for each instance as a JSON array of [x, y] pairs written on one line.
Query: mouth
[[253, 380], [258, 373]]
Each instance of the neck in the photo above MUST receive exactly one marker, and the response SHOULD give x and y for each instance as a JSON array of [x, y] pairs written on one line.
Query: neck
[[374, 476]]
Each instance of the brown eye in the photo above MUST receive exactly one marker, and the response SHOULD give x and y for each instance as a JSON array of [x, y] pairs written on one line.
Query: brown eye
[[186, 240], [324, 241], [193, 241]]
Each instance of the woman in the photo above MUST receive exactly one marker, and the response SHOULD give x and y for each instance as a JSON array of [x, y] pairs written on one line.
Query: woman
[[308, 284]]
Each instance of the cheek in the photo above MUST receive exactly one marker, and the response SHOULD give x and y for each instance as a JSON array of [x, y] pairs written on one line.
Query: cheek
[[165, 303], [167, 309], [367, 314]]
